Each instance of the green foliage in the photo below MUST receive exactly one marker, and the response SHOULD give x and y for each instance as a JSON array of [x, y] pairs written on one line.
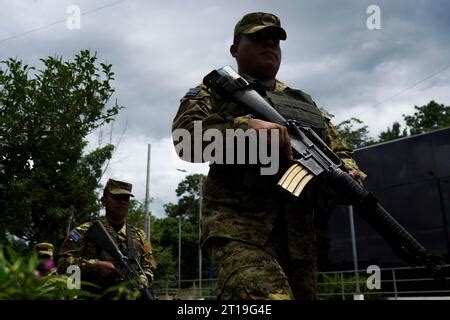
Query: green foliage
[[166, 235], [429, 117], [121, 291], [392, 133], [45, 116], [332, 287], [188, 193], [355, 137], [165, 232], [19, 281], [167, 270], [136, 215], [187, 208]]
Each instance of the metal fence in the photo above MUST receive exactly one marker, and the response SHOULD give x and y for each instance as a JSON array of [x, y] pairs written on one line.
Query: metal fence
[[186, 289], [399, 283]]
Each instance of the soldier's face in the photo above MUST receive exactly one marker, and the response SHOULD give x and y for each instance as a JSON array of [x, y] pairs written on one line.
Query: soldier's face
[[116, 206], [258, 54]]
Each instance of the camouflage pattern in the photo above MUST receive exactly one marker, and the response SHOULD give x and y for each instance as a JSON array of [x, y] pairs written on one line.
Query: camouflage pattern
[[76, 250], [257, 21], [242, 205], [242, 266], [118, 187], [44, 249]]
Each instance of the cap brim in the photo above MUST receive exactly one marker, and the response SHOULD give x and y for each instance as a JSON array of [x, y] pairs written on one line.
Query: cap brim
[[45, 253], [282, 33], [121, 191]]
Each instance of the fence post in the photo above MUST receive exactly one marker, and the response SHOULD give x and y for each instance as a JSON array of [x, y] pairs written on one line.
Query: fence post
[[342, 285], [394, 281]]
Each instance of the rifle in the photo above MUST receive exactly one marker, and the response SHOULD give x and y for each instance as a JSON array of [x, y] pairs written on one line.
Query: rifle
[[314, 159], [98, 234]]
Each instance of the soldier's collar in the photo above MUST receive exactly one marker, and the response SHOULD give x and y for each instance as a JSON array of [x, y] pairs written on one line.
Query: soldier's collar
[[279, 86], [121, 231]]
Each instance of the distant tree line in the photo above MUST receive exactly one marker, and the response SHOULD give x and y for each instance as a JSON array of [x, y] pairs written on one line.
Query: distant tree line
[[429, 117]]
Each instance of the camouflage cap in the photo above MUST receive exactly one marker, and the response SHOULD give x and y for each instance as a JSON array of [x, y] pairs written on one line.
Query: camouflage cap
[[44, 249], [118, 187], [257, 21]]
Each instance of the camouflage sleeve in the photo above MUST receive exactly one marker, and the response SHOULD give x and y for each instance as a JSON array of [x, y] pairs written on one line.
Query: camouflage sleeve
[[72, 250], [199, 104], [147, 260], [339, 147]]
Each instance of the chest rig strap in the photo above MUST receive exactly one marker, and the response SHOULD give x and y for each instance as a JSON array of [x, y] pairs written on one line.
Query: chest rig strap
[[130, 243]]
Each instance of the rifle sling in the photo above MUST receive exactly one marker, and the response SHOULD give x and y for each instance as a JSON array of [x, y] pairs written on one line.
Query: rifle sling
[[131, 248]]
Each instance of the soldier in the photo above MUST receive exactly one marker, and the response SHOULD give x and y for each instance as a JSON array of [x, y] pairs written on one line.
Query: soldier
[[260, 237], [96, 265], [44, 252]]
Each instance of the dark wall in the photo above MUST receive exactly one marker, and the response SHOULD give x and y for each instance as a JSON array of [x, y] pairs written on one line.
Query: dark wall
[[399, 175]]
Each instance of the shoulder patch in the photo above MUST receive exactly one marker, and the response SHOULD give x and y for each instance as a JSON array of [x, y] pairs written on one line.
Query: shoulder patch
[[328, 116], [75, 235], [192, 92]]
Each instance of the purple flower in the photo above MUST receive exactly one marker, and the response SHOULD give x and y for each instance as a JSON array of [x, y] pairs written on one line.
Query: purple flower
[[49, 264]]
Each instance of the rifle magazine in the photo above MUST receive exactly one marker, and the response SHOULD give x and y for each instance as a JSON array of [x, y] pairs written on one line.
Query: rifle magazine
[[295, 179]]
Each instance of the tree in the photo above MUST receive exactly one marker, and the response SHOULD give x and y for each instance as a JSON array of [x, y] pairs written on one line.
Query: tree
[[429, 117], [355, 137], [163, 251], [136, 214], [45, 116], [165, 237], [188, 192], [187, 209], [392, 133]]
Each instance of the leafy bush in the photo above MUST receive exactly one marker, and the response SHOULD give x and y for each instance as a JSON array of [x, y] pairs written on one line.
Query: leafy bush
[[332, 287], [20, 280]]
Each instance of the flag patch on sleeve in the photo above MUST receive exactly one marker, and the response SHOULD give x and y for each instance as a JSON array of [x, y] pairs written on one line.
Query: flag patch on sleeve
[[75, 235], [192, 92]]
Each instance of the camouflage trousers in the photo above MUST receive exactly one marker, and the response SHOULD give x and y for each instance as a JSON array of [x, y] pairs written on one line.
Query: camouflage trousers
[[249, 272]]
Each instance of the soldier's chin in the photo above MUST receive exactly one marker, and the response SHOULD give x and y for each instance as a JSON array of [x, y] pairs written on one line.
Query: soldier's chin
[[119, 216], [269, 69]]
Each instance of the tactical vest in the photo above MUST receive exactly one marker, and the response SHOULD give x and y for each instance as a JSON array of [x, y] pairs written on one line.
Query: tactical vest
[[295, 105], [127, 248]]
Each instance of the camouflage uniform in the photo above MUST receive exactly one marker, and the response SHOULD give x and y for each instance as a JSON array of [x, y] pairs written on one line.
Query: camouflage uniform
[[261, 238], [77, 250]]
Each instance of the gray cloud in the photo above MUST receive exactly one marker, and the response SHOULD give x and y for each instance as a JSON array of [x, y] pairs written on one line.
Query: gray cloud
[[159, 49]]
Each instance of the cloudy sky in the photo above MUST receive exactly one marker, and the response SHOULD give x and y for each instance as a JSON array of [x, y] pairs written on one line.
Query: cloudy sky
[[160, 49]]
